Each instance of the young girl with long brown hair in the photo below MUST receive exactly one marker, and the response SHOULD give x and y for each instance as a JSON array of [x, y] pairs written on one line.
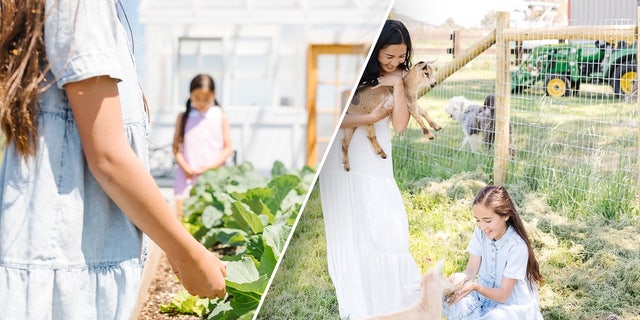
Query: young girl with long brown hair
[[502, 259], [75, 192]]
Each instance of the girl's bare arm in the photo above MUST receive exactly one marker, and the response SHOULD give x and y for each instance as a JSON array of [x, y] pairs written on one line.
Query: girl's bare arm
[[96, 107], [400, 114], [500, 295], [359, 120]]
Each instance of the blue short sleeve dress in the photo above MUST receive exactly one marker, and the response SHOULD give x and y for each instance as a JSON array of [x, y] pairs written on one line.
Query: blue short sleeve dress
[[66, 250], [505, 257]]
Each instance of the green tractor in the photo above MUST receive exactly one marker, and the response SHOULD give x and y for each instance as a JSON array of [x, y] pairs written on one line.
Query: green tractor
[[564, 66]]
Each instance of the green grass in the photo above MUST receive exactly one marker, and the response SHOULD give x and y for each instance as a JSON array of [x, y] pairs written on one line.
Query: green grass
[[301, 287], [590, 263], [580, 151]]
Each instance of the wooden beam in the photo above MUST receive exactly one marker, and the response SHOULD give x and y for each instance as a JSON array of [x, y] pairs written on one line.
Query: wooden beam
[[464, 58], [610, 34]]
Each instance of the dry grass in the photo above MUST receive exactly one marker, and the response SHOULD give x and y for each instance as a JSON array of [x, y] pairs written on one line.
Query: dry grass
[[590, 264]]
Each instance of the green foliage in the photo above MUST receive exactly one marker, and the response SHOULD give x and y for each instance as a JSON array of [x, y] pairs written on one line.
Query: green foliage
[[184, 303], [249, 217]]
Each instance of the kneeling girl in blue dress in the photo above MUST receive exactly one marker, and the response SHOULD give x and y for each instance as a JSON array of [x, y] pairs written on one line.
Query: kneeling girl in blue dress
[[503, 261]]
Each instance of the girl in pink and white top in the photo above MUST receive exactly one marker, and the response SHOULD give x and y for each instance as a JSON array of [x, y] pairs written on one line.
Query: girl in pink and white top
[[202, 137]]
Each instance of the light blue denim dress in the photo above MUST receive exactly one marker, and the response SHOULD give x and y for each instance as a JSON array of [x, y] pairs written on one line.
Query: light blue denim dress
[[505, 257], [66, 250]]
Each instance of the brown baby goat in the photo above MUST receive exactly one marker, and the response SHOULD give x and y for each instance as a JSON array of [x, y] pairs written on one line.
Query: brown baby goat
[[364, 101]]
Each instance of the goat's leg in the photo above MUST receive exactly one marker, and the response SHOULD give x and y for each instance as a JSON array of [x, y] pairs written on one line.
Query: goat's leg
[[347, 135], [416, 115], [371, 134], [426, 116]]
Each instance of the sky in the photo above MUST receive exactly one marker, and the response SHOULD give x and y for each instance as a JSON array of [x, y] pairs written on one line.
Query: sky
[[467, 13]]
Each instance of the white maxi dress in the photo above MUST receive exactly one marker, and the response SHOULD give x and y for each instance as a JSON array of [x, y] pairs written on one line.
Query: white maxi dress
[[367, 229]]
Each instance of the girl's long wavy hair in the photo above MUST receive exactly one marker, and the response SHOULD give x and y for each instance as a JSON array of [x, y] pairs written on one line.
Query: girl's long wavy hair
[[201, 81], [497, 199], [393, 32], [21, 59], [24, 66]]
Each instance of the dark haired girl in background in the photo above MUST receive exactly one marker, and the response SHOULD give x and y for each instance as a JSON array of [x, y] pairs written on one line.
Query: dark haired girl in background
[[202, 138]]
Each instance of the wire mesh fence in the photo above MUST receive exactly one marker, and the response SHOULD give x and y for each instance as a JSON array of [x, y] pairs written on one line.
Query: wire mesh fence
[[566, 102]]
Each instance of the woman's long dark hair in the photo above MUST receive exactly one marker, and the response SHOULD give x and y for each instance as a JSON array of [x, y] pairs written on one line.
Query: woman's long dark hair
[[393, 32], [201, 81], [21, 57], [497, 199]]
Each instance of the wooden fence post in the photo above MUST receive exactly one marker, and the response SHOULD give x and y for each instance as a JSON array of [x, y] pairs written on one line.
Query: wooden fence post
[[455, 44], [503, 101]]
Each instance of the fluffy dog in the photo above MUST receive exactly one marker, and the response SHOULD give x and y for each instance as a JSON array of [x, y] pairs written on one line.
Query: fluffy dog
[[490, 126], [364, 101], [434, 286], [475, 120]]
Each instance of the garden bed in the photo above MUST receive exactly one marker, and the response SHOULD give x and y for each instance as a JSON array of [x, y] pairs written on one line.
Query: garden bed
[[160, 291]]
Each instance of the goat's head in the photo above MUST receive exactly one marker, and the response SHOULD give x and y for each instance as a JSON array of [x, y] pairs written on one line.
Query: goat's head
[[422, 75], [434, 281]]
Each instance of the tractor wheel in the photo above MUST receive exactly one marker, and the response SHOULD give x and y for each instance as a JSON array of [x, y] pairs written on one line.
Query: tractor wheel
[[556, 86], [624, 79]]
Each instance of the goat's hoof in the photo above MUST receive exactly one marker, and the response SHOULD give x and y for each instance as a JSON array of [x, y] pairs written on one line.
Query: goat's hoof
[[436, 127], [382, 155], [430, 137], [346, 165]]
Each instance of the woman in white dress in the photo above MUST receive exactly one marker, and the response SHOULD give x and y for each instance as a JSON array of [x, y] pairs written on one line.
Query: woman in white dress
[[365, 219]]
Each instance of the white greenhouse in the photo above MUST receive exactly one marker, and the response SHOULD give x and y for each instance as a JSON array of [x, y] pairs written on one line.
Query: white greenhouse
[[282, 68]]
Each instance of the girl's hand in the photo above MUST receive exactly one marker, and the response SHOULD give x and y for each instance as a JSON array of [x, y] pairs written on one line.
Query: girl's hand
[[379, 113], [189, 172], [465, 290], [203, 276]]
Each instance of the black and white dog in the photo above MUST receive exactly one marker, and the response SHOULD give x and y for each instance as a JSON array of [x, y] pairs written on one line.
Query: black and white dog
[[478, 122], [474, 119]]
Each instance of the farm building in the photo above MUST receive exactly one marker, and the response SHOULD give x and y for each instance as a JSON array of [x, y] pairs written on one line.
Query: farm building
[[596, 12], [282, 68]]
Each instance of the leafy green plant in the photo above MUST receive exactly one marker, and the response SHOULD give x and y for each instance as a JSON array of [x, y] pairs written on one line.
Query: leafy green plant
[[184, 303], [247, 217]]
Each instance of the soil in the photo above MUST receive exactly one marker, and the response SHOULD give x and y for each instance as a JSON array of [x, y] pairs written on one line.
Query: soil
[[163, 286]]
